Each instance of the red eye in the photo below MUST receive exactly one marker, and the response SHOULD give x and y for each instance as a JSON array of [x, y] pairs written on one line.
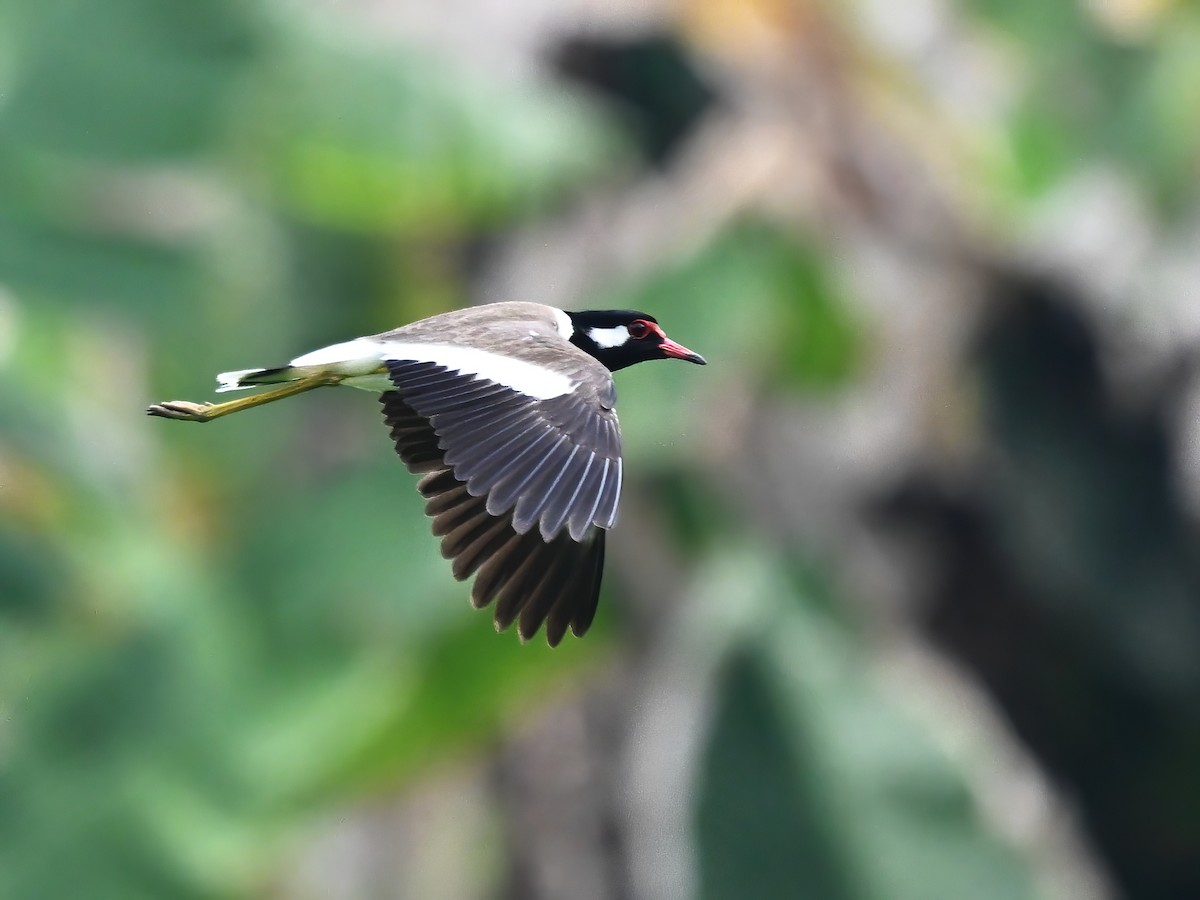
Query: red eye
[[638, 329]]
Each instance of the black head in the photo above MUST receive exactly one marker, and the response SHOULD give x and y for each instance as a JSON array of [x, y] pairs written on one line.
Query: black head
[[622, 337]]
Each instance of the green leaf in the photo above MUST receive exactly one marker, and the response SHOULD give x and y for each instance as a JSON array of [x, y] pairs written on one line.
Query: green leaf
[[126, 80], [762, 815], [410, 144], [815, 781]]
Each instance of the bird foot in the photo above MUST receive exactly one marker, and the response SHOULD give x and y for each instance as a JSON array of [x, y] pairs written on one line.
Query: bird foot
[[183, 410]]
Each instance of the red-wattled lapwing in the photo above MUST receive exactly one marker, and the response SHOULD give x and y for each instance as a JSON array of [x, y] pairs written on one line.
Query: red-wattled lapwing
[[507, 412]]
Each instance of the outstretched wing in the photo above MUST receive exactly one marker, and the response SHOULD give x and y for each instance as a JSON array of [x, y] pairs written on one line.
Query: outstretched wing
[[497, 461], [552, 461]]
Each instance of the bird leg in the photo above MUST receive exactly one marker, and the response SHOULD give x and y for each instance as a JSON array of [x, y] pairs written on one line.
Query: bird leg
[[186, 411]]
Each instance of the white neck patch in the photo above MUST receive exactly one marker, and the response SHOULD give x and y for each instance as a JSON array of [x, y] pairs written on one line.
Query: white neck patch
[[607, 338], [563, 323]]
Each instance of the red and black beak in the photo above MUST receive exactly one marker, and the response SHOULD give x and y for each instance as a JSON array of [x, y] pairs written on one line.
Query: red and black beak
[[673, 350]]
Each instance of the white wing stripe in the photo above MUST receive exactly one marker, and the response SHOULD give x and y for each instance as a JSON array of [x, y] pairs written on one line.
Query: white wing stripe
[[363, 356], [528, 378]]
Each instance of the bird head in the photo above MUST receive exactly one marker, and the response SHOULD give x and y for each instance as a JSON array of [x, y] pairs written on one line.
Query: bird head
[[622, 337]]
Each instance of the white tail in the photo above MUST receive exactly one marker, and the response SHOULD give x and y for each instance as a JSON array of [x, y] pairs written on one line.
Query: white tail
[[241, 379]]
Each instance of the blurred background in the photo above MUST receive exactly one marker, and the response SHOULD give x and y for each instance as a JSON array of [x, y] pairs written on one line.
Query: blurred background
[[904, 601]]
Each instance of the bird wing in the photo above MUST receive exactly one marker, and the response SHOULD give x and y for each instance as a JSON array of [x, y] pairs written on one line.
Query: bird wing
[[554, 461], [497, 461]]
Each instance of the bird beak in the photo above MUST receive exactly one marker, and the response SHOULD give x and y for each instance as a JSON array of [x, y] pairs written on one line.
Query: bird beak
[[677, 351]]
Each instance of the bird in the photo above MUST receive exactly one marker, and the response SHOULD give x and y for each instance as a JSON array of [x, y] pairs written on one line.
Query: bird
[[507, 412]]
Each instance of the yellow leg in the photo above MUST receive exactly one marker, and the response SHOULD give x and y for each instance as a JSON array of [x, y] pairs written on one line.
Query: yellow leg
[[186, 411]]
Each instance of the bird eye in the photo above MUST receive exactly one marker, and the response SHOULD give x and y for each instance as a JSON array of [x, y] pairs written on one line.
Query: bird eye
[[638, 329]]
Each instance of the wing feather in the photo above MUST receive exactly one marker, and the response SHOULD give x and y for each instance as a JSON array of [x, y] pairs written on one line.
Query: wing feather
[[489, 432], [542, 598], [561, 504], [540, 491], [495, 463], [583, 515], [504, 495]]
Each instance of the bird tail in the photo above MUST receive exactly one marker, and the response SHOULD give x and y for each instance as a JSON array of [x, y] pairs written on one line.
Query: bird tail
[[248, 378]]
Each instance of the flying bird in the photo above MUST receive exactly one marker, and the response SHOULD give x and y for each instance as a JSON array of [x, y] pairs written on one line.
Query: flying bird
[[507, 411]]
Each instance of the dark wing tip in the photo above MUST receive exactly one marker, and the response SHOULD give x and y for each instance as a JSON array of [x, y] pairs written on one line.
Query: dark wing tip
[[533, 575], [591, 576]]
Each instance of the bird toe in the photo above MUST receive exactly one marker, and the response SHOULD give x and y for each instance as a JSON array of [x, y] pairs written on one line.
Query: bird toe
[[183, 410]]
